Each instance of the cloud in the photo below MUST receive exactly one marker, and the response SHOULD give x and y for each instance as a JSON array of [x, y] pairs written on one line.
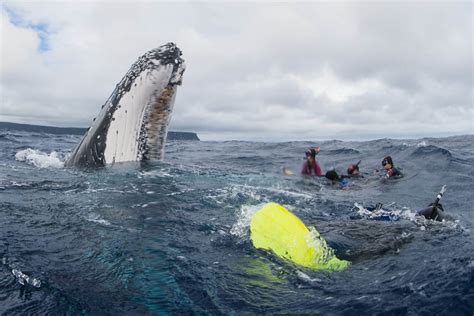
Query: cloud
[[267, 71]]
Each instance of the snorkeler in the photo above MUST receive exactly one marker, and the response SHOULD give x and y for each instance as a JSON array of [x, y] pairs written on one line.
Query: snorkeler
[[336, 179], [390, 170], [310, 165], [435, 210], [353, 170]]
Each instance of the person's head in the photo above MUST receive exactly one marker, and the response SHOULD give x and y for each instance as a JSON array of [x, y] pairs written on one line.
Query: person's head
[[387, 163], [311, 154], [332, 175], [353, 169]]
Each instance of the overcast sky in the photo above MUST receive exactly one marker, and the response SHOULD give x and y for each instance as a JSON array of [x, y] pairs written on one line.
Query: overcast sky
[[255, 70]]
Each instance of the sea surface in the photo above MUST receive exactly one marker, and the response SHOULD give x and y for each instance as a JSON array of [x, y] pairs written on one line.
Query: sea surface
[[172, 237]]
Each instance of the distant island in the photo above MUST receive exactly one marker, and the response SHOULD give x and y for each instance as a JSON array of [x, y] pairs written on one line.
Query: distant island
[[81, 131]]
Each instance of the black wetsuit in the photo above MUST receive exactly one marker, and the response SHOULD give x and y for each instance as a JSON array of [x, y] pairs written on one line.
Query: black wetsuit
[[433, 213]]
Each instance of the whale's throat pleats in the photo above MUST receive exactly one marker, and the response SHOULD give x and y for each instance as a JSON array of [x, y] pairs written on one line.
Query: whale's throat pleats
[[156, 123]]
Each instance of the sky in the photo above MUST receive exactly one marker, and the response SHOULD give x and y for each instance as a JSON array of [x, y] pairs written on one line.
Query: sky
[[262, 71]]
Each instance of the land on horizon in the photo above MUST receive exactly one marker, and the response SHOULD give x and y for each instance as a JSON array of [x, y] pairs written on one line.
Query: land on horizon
[[178, 135], [172, 135]]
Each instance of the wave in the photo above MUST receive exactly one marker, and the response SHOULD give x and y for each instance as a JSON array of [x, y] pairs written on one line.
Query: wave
[[8, 137], [424, 150], [40, 159], [343, 151], [44, 185], [394, 147]]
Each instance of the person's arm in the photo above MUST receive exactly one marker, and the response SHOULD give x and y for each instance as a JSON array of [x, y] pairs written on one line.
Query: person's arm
[[439, 196], [431, 211]]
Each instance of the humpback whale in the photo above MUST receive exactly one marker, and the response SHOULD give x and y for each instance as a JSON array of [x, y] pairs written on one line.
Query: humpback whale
[[133, 123]]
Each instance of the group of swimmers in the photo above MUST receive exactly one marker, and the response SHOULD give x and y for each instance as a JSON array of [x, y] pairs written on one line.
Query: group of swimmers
[[311, 167]]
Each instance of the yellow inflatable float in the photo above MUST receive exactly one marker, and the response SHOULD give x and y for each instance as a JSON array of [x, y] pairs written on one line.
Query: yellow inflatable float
[[275, 228]]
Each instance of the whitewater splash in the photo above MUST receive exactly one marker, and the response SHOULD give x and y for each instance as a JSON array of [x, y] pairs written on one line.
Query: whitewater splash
[[421, 144], [21, 277], [391, 212], [40, 159], [384, 214], [242, 226]]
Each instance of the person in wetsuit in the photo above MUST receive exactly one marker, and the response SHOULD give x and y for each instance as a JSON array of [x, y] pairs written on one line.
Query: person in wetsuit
[[435, 210], [390, 170], [336, 179], [432, 212], [311, 166]]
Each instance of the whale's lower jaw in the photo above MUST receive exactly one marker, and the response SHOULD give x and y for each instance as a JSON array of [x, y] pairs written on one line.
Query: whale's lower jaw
[[133, 124]]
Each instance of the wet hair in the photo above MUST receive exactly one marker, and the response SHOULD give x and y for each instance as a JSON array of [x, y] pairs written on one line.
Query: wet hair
[[311, 153], [387, 160], [352, 168], [332, 175]]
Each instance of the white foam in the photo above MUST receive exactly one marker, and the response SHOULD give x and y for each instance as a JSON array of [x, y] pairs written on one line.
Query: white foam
[[421, 144], [315, 240], [256, 193], [40, 159], [157, 173], [306, 278], [95, 218], [241, 228], [22, 278], [393, 214], [291, 193]]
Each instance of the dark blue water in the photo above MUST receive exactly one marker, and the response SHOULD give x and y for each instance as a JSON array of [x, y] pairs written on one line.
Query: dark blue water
[[173, 237]]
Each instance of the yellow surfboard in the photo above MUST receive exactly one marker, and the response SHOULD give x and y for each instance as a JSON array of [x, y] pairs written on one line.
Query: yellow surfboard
[[275, 228]]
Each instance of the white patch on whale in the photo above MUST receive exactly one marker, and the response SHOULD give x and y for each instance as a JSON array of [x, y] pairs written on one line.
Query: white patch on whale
[[125, 128]]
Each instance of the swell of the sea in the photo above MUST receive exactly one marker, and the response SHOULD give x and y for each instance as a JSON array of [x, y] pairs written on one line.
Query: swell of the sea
[[173, 237]]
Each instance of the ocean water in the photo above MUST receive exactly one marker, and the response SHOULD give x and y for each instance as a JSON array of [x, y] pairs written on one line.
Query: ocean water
[[172, 237]]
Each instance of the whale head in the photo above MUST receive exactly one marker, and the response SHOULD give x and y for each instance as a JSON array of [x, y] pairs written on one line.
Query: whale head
[[133, 123]]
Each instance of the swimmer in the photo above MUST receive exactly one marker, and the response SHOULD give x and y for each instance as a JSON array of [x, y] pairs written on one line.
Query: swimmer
[[336, 179], [311, 166], [353, 170], [435, 210], [390, 170]]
